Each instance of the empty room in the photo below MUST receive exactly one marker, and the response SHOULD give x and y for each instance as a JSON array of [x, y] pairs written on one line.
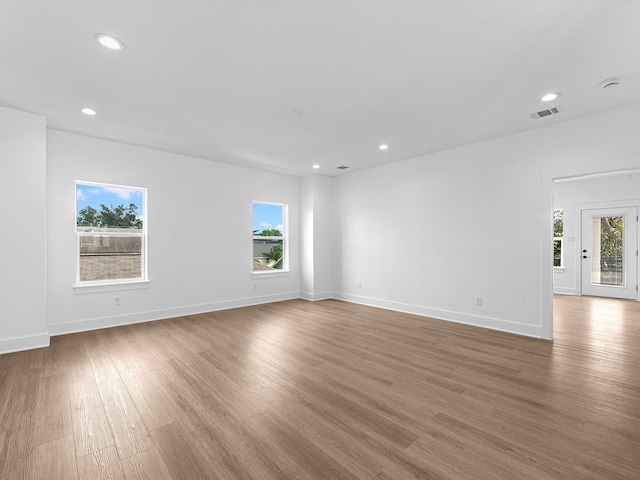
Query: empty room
[[372, 240]]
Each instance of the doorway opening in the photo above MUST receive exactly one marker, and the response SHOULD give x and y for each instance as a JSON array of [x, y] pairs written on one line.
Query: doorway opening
[[597, 252]]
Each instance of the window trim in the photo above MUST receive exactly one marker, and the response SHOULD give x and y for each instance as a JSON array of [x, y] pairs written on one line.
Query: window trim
[[90, 286], [285, 270], [561, 240], [110, 286]]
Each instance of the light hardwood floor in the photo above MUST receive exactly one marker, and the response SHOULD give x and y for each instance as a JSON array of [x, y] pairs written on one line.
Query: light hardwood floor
[[328, 390]]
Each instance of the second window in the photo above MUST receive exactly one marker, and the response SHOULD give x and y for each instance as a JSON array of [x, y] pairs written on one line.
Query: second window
[[269, 237]]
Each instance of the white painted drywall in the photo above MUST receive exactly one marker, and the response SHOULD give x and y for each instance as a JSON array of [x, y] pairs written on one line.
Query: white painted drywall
[[425, 235], [306, 238], [430, 234], [315, 235], [323, 247], [573, 196], [22, 241], [199, 227]]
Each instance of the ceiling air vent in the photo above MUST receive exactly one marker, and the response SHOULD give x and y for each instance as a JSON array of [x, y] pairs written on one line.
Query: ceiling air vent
[[342, 167], [545, 113]]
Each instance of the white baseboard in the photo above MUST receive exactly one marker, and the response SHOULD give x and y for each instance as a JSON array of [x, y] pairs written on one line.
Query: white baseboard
[[17, 344], [42, 340], [564, 291], [457, 317], [313, 297], [149, 316]]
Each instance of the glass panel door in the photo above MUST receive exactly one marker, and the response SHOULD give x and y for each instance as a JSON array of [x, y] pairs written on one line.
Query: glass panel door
[[608, 253], [609, 261]]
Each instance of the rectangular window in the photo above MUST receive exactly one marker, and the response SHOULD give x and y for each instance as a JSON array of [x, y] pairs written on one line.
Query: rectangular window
[[558, 236], [270, 248], [111, 233], [557, 252]]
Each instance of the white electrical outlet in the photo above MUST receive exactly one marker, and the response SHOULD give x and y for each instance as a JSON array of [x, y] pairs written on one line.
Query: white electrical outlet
[[478, 300], [359, 284], [117, 300]]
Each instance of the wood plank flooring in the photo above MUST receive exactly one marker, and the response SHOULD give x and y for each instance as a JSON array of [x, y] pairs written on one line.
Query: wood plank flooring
[[328, 390]]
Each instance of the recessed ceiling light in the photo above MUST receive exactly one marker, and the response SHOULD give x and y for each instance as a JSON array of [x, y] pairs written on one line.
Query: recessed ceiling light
[[383, 147], [296, 113], [550, 96], [88, 111], [316, 166], [107, 41]]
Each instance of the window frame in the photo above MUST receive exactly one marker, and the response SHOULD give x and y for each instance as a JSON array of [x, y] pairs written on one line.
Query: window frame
[[559, 239], [285, 241], [87, 286]]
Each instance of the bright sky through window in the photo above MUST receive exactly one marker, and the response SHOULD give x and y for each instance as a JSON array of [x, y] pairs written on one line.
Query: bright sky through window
[[88, 195], [267, 217]]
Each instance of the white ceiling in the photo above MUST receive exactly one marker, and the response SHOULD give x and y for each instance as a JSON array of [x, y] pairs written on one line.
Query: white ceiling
[[218, 80]]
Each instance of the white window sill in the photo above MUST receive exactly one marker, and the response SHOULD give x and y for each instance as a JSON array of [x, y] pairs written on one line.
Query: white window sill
[[82, 288], [270, 274], [558, 269]]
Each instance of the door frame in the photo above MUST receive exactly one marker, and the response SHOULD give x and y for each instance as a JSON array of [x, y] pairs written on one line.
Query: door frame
[[630, 248], [596, 206]]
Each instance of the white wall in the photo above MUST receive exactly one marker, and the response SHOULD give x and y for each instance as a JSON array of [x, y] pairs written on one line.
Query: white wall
[[199, 228], [430, 234], [315, 235], [323, 247], [306, 238], [573, 196], [425, 235], [22, 241]]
